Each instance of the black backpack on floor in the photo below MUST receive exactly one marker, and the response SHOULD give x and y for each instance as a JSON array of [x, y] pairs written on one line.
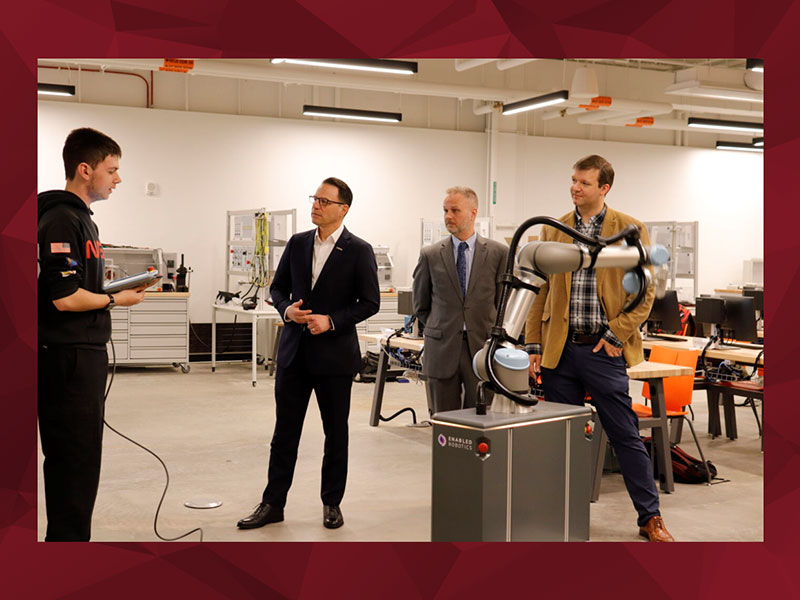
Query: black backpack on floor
[[685, 467]]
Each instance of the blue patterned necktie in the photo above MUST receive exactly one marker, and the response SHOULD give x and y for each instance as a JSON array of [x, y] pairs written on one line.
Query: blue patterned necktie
[[461, 267]]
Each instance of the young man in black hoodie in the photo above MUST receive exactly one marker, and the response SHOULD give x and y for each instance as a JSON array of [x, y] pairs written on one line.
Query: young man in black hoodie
[[74, 327]]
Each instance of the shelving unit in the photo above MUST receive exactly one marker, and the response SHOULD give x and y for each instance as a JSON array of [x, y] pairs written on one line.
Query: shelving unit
[[255, 239], [680, 238]]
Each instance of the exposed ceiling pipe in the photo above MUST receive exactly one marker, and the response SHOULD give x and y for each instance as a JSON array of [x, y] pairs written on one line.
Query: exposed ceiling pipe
[[148, 86], [739, 112], [624, 111], [510, 63], [610, 117], [282, 74], [480, 108], [572, 109], [464, 64], [622, 104], [672, 124]]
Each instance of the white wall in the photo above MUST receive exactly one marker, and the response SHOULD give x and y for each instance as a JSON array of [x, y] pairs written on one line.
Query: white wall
[[206, 164], [723, 190]]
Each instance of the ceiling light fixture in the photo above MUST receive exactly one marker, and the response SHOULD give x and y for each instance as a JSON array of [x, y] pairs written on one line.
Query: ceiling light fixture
[[706, 89], [55, 89], [349, 113], [755, 64], [396, 67], [740, 126], [534, 103], [759, 142], [741, 146]]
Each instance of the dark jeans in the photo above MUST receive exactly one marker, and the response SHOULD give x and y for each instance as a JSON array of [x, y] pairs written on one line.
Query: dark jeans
[[605, 379], [293, 387], [71, 408]]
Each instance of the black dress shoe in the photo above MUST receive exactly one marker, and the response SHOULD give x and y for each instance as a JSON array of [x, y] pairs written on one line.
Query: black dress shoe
[[332, 516], [263, 514]]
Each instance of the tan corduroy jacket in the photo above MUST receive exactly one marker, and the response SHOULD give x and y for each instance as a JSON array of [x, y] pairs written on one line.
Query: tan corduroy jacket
[[548, 320]]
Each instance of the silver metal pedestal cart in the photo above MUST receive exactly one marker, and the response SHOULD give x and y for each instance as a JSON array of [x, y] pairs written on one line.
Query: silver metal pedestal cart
[[511, 477]]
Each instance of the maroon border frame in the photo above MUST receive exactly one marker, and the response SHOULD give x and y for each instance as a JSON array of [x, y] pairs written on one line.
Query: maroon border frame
[[438, 29]]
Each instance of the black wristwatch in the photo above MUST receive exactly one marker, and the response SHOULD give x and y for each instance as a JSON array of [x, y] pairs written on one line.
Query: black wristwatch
[[111, 304]]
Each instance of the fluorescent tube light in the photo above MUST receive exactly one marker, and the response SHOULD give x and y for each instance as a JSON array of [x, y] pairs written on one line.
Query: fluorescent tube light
[[755, 64], [740, 126], [534, 103], [349, 113], [741, 146], [55, 89], [397, 67]]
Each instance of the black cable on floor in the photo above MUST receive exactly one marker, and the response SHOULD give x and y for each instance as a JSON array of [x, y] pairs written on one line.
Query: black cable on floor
[[157, 457], [399, 412]]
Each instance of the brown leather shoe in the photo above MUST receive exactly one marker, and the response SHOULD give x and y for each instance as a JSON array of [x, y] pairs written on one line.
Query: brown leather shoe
[[655, 531]]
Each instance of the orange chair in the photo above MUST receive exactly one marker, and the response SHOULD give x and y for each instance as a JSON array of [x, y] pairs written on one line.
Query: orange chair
[[677, 391]]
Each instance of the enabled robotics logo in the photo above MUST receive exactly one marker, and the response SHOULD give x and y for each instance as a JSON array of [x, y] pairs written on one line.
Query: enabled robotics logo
[[442, 440]]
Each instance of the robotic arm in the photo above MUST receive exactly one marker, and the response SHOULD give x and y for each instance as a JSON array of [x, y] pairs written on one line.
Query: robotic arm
[[500, 365]]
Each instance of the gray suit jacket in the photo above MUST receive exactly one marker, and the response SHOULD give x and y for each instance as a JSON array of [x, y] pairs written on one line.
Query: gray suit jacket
[[440, 307]]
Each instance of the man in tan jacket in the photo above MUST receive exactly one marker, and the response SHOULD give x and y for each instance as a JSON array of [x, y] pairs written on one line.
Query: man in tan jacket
[[580, 340]]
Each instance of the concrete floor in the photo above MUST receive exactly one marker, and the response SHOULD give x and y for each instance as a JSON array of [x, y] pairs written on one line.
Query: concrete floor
[[213, 432]]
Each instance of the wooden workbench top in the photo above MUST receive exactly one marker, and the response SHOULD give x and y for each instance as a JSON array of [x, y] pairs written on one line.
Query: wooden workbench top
[[741, 355], [652, 370], [166, 294]]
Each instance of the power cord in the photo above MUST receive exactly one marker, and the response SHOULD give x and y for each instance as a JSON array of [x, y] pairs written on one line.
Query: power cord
[[157, 457]]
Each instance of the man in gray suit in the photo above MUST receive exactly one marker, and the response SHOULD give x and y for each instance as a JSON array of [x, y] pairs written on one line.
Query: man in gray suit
[[455, 298]]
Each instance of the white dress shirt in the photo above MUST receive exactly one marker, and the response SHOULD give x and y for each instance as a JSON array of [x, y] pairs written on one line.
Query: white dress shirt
[[322, 250]]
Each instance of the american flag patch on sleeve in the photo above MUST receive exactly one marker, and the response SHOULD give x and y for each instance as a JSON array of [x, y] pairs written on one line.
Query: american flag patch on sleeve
[[59, 248]]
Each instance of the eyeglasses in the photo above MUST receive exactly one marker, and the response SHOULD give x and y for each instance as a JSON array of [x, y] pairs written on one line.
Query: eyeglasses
[[323, 202]]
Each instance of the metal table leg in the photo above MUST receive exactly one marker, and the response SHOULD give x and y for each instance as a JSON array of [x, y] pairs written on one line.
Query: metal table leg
[[729, 410], [255, 356], [599, 441], [213, 339], [712, 395], [380, 383], [661, 435]]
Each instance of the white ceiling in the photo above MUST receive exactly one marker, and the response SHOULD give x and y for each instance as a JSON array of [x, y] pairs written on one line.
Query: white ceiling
[[444, 94]]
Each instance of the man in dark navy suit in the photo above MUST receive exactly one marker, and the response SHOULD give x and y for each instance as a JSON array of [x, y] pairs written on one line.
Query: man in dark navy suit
[[326, 282]]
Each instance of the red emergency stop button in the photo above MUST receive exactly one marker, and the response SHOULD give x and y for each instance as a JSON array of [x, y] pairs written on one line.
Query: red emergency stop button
[[483, 448]]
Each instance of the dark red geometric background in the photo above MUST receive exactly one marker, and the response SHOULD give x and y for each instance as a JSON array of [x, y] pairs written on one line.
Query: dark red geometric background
[[437, 29]]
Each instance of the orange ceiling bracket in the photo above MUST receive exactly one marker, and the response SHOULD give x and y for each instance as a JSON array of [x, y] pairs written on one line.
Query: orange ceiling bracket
[[597, 102], [641, 122], [178, 65]]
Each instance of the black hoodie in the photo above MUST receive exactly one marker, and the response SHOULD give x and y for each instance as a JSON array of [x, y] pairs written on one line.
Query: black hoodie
[[70, 257]]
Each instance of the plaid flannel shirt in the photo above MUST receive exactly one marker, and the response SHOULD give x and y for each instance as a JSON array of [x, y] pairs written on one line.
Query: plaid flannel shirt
[[585, 311]]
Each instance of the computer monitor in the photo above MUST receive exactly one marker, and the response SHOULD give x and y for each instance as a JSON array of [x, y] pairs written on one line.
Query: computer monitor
[[709, 309], [757, 294], [665, 314], [740, 319], [405, 303]]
